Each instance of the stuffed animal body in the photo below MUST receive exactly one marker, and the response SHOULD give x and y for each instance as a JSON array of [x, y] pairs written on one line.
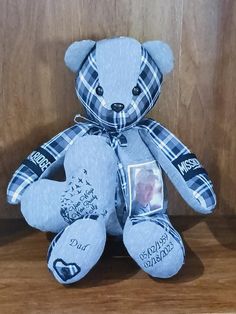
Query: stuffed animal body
[[113, 165]]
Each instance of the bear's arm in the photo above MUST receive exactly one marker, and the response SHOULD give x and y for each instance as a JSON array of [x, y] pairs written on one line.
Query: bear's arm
[[42, 161], [182, 167]]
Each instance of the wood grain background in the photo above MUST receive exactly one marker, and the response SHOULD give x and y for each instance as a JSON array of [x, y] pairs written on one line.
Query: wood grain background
[[37, 97]]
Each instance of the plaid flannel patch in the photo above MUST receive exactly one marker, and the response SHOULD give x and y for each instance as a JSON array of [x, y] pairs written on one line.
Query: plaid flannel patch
[[149, 80], [200, 184], [56, 148]]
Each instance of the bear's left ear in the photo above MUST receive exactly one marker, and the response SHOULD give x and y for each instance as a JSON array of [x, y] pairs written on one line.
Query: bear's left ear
[[76, 53], [161, 53]]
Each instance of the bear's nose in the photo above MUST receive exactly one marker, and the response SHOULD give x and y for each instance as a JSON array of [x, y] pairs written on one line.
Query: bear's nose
[[117, 107]]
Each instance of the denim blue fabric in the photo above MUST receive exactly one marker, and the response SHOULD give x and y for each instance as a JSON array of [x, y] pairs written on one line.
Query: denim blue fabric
[[76, 53], [40, 205], [119, 76], [76, 250], [154, 244], [162, 55], [91, 174]]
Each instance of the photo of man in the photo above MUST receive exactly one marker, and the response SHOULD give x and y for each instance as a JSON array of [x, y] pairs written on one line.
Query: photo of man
[[146, 188]]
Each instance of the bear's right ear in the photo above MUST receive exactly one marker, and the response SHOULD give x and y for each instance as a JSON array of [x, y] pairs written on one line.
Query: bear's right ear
[[161, 54], [76, 53]]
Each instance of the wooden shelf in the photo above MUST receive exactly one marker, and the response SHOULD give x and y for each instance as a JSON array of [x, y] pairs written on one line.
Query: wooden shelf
[[206, 283]]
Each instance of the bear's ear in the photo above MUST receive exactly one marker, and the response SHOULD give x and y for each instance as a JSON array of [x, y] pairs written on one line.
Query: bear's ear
[[161, 54], [76, 53]]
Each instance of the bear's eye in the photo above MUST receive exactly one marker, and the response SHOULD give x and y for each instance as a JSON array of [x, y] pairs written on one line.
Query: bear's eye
[[136, 90], [99, 90]]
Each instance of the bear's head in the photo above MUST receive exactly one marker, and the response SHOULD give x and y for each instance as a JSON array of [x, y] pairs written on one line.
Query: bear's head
[[118, 80]]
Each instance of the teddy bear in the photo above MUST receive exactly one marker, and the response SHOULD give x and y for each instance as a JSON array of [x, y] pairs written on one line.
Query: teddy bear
[[114, 160]]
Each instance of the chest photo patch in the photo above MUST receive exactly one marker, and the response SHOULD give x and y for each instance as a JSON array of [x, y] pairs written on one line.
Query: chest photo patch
[[145, 185]]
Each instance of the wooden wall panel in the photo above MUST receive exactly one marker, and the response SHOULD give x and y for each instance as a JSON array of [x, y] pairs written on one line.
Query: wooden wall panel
[[207, 92], [37, 91]]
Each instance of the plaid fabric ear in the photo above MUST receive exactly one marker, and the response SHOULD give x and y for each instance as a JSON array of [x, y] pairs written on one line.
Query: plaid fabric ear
[[149, 80], [183, 164], [48, 154]]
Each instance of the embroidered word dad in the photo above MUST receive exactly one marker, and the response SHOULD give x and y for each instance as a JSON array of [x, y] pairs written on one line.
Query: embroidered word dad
[[75, 243]]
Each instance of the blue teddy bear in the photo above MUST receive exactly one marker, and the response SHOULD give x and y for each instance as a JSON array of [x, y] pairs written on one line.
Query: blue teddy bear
[[113, 166]]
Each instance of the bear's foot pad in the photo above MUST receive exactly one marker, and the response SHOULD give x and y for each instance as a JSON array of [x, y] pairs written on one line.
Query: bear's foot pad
[[75, 250], [155, 246]]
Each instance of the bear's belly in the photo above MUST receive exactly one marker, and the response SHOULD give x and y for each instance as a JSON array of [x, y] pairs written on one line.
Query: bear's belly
[[144, 183]]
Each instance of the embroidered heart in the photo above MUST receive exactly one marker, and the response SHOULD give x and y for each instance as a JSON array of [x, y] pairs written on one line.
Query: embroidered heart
[[65, 270]]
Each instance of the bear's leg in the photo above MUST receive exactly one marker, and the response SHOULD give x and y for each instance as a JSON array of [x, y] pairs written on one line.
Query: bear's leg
[[75, 250], [86, 204], [154, 244]]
